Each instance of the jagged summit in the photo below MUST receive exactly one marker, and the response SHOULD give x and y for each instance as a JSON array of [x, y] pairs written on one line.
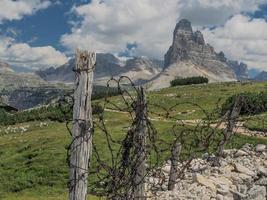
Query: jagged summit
[[189, 55], [183, 27]]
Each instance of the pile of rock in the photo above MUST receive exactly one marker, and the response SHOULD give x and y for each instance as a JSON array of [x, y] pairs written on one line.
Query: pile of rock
[[16, 129], [239, 175]]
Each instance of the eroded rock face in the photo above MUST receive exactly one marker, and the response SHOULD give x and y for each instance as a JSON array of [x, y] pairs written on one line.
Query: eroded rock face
[[29, 97], [189, 55], [240, 69], [261, 76], [239, 176]]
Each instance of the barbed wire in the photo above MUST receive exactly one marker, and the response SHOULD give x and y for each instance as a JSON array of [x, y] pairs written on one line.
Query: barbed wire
[[113, 175]]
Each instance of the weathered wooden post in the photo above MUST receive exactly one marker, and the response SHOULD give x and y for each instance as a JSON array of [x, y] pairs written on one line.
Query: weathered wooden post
[[174, 165], [140, 145], [82, 125], [231, 122]]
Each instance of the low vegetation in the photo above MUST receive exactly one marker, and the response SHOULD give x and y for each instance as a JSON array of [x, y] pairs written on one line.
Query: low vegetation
[[252, 102], [189, 81], [33, 163]]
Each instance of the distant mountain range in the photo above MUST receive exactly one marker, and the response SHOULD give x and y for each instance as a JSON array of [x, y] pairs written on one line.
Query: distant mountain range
[[139, 69], [261, 76], [189, 55]]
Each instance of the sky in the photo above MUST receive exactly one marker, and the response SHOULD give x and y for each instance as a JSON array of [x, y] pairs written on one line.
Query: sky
[[43, 33]]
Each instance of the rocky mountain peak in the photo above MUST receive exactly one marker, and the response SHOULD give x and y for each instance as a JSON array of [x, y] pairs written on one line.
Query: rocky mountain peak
[[261, 76], [198, 38], [183, 28], [186, 43], [240, 69]]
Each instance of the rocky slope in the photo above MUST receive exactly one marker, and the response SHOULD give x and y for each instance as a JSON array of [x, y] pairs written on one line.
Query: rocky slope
[[29, 97], [261, 76], [240, 175], [107, 66], [189, 55], [26, 90]]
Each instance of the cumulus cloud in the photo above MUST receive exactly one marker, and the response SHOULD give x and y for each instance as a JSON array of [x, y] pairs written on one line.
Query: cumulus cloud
[[241, 38], [216, 12], [22, 54], [15, 10], [108, 25]]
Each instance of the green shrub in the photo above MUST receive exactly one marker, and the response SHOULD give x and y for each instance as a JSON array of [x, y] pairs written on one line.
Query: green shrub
[[252, 103], [51, 112], [189, 81]]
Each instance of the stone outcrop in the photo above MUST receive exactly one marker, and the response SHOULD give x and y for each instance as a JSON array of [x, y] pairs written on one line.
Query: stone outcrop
[[261, 76], [237, 177], [189, 55], [240, 69]]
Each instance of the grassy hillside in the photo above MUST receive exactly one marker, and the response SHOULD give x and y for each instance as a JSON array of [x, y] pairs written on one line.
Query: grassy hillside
[[33, 162]]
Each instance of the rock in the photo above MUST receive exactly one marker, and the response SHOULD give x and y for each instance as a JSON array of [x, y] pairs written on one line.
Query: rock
[[256, 193], [261, 76], [219, 197], [237, 195], [240, 69], [189, 56], [204, 181], [138, 69], [260, 147], [240, 153], [244, 170], [262, 181], [247, 147], [262, 170], [242, 189], [223, 189], [166, 168], [240, 178]]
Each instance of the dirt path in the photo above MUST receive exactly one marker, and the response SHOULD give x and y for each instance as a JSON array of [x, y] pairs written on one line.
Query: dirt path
[[240, 128]]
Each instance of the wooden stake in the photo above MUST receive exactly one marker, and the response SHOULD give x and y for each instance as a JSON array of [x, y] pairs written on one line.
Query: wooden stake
[[82, 125], [140, 144], [174, 165]]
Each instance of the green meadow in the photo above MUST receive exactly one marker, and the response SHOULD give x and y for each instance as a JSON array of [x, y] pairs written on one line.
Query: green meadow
[[33, 163]]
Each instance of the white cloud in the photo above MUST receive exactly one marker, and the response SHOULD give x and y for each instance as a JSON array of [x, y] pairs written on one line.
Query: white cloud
[[108, 25], [15, 10], [216, 12], [241, 38], [22, 54]]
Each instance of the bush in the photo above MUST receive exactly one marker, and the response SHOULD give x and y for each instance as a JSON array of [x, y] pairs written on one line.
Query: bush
[[253, 103], [189, 81], [51, 112]]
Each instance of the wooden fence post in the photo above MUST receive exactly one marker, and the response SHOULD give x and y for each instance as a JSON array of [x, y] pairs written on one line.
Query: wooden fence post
[[231, 122], [82, 130], [140, 145], [174, 165]]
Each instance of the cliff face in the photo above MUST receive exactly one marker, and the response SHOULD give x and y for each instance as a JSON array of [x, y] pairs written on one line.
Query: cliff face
[[29, 97], [189, 55], [240, 69], [261, 76]]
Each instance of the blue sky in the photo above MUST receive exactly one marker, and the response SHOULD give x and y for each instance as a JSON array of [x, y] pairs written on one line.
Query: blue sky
[[44, 27], [42, 33]]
